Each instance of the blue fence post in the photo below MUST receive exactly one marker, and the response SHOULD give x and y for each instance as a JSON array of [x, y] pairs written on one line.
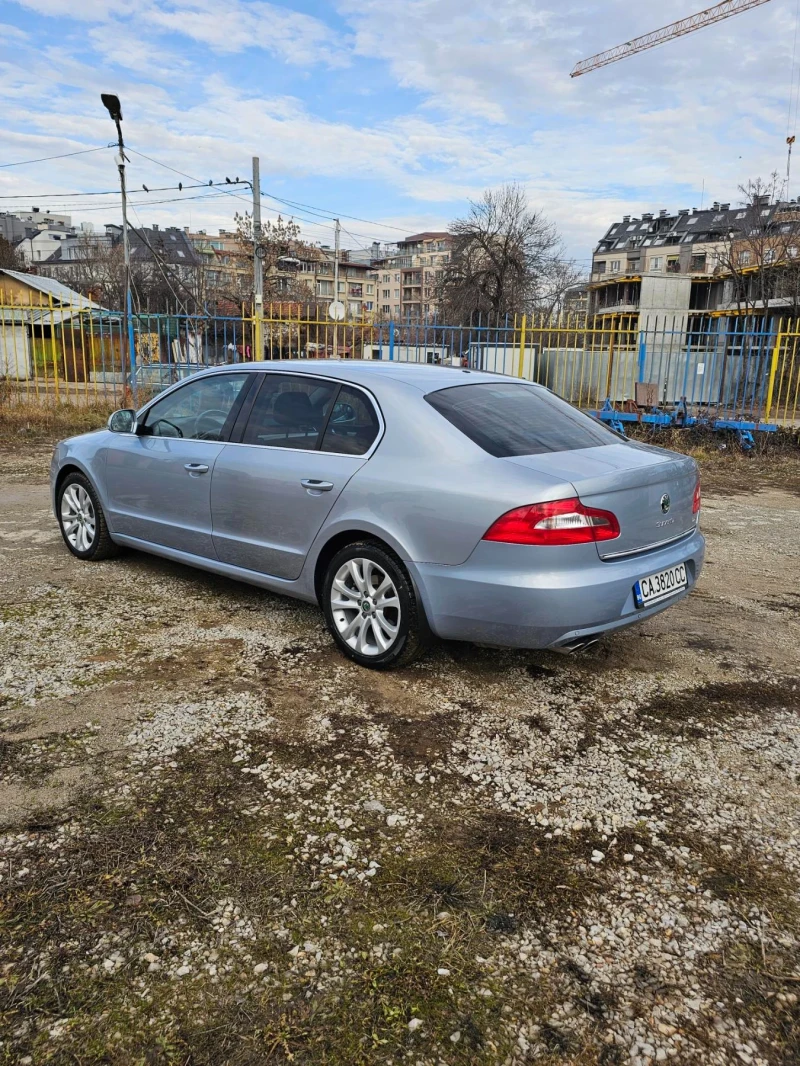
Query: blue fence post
[[391, 339], [131, 348], [642, 354]]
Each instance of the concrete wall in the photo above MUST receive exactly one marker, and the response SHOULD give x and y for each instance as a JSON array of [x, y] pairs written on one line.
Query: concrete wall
[[664, 299], [15, 355]]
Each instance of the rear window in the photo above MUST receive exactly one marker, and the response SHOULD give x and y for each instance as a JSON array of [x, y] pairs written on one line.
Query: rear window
[[507, 419]]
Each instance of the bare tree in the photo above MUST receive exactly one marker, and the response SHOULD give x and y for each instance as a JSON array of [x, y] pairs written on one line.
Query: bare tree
[[760, 259], [281, 249], [10, 259], [506, 259]]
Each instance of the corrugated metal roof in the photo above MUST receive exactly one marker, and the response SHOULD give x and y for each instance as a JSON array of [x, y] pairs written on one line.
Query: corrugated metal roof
[[50, 287]]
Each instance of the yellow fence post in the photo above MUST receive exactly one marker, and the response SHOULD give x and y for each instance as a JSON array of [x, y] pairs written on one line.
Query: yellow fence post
[[773, 372], [522, 346]]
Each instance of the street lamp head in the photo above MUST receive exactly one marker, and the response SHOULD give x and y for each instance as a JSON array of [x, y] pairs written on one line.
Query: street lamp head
[[112, 105]]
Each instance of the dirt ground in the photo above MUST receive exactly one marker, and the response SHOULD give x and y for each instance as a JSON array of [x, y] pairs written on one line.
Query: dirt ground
[[220, 842]]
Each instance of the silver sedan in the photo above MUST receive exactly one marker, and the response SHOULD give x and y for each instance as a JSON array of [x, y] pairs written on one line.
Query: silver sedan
[[408, 501]]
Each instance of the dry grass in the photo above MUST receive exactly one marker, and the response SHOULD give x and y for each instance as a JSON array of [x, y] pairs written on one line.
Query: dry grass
[[46, 423], [774, 462]]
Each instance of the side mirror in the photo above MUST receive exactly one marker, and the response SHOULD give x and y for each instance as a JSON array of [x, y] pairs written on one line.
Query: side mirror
[[123, 421]]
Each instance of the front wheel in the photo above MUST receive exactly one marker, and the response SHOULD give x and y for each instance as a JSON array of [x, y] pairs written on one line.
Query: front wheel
[[371, 608], [81, 519]]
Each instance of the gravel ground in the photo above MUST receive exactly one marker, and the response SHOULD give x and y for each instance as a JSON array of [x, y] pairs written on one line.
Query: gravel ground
[[220, 842]]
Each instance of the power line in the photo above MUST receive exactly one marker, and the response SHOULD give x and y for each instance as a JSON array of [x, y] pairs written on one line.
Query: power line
[[109, 192], [64, 155], [320, 212], [148, 203]]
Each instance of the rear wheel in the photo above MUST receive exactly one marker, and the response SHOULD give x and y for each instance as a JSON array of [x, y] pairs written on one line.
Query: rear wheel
[[371, 608], [82, 522]]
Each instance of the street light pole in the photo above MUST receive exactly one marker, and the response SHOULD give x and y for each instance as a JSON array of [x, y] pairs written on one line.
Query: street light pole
[[336, 285], [258, 266], [114, 108]]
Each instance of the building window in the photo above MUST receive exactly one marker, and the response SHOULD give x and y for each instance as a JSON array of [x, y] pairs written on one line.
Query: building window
[[673, 265], [325, 288], [600, 268], [368, 305], [769, 255], [744, 258], [397, 294], [657, 262], [616, 265], [792, 251], [370, 290], [386, 309]]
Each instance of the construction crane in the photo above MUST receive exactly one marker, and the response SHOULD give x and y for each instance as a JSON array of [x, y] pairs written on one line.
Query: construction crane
[[666, 33]]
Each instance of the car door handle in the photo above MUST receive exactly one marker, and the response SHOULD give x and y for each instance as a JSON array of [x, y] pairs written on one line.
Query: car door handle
[[316, 486], [196, 469]]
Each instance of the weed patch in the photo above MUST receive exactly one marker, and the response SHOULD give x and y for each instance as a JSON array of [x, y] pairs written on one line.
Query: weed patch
[[694, 710]]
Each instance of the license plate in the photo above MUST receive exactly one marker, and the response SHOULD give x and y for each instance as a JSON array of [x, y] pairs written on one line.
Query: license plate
[[660, 586]]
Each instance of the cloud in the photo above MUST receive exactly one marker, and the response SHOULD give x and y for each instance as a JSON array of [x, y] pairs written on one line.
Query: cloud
[[412, 108], [225, 26]]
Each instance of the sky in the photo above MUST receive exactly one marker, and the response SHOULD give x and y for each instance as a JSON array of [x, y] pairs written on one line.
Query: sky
[[396, 113]]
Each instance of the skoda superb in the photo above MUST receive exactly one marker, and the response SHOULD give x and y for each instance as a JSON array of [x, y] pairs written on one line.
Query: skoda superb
[[407, 501]]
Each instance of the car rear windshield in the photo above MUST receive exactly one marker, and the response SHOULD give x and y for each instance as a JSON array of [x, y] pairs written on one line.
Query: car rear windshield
[[507, 419]]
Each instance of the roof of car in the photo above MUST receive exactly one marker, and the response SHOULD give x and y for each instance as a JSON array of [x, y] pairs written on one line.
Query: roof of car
[[422, 376]]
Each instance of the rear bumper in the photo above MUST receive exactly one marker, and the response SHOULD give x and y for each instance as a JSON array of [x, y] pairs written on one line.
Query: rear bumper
[[518, 597]]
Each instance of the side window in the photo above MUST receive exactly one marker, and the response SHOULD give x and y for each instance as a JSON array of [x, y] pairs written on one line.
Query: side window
[[290, 411], [353, 424], [201, 410]]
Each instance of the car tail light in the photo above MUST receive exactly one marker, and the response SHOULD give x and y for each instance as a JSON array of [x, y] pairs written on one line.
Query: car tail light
[[560, 522], [697, 498]]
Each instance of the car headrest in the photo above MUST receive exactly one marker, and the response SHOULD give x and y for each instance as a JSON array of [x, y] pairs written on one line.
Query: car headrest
[[292, 408]]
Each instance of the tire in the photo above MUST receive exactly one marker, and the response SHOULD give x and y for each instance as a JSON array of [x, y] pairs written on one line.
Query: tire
[[380, 632], [87, 535]]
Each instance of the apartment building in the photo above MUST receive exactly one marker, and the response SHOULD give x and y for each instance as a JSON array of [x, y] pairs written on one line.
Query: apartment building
[[683, 268], [407, 275], [223, 266], [314, 274]]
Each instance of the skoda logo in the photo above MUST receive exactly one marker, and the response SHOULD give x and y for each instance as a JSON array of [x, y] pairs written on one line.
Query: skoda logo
[[666, 503]]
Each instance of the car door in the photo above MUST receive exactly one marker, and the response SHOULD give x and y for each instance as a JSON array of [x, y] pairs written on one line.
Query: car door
[[159, 478], [273, 487]]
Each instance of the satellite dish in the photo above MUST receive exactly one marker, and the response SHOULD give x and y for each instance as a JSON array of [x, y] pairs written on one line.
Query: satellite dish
[[336, 311]]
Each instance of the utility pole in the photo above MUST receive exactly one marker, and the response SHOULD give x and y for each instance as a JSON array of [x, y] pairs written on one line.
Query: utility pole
[[336, 285], [114, 108], [258, 265]]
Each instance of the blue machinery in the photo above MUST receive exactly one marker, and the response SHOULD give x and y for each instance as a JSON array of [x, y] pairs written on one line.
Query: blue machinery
[[678, 416]]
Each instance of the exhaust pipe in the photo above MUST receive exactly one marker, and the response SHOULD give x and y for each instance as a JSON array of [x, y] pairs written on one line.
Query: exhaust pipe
[[576, 646]]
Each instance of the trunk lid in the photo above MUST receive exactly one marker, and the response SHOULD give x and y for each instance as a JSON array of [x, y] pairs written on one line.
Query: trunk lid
[[650, 490]]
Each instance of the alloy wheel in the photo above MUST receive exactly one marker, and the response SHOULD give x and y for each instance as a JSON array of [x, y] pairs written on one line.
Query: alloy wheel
[[366, 607], [78, 517]]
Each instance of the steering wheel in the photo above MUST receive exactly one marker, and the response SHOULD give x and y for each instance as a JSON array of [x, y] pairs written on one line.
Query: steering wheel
[[164, 422], [210, 422]]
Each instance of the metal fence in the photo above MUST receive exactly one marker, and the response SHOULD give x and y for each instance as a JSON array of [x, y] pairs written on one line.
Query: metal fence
[[724, 369]]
